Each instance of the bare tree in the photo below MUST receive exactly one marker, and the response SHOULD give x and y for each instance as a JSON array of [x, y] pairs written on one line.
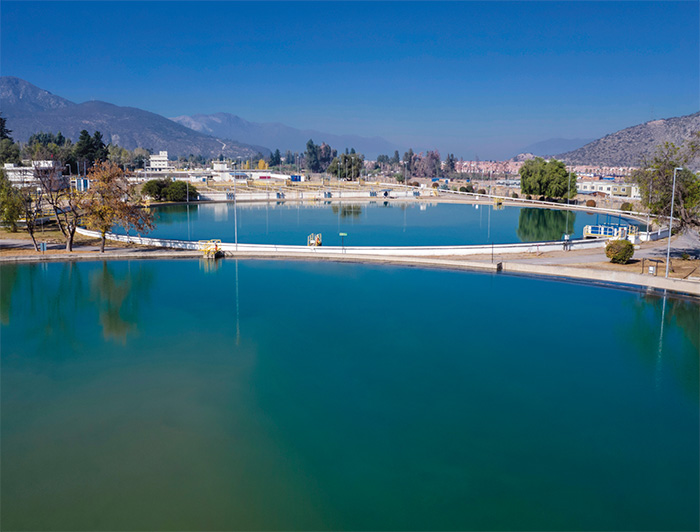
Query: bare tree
[[32, 209], [63, 200]]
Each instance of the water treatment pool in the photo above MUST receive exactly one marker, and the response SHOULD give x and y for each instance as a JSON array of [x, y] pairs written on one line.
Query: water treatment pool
[[371, 224], [284, 396]]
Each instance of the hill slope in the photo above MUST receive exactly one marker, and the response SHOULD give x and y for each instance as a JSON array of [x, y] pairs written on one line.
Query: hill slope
[[29, 110], [629, 146], [275, 135]]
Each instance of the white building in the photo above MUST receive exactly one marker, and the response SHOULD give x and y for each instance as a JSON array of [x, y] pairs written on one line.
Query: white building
[[159, 163], [611, 188], [21, 176]]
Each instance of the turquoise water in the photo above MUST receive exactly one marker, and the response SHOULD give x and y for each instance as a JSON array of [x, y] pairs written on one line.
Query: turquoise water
[[370, 224], [303, 396]]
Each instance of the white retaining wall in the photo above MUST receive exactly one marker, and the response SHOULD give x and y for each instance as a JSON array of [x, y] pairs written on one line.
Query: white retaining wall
[[420, 251]]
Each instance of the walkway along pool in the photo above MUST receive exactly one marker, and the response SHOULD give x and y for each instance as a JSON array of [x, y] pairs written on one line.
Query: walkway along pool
[[194, 395]]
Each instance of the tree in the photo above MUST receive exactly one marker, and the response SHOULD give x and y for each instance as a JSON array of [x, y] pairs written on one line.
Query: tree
[[347, 166], [655, 181], [547, 178], [179, 190], [155, 188], [31, 204], [63, 200], [450, 161], [4, 132], [10, 203], [9, 152], [111, 201], [276, 158], [262, 164], [313, 160], [429, 166]]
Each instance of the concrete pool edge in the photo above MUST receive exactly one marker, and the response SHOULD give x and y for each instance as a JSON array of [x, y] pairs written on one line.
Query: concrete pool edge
[[597, 276]]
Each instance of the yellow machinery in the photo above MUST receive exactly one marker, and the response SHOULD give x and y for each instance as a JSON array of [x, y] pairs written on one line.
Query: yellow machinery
[[210, 248]]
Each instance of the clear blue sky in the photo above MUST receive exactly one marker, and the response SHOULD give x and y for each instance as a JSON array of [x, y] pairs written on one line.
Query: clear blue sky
[[484, 78]]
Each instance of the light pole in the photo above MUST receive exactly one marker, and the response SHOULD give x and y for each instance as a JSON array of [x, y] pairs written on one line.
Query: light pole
[[670, 224]]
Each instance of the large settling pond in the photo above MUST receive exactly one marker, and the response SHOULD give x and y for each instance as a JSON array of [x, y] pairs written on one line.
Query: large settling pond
[[372, 224], [317, 396]]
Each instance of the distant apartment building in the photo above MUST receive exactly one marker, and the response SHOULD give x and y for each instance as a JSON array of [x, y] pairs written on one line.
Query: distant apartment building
[[159, 163]]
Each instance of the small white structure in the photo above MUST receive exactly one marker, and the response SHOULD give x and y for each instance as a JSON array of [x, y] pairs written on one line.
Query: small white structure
[[159, 163]]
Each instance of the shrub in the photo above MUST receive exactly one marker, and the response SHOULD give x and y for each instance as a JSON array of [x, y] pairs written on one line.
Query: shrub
[[481, 191], [619, 251], [542, 198], [627, 206], [435, 184], [462, 189], [156, 188], [414, 184], [590, 203], [515, 195], [470, 188], [529, 197], [177, 191]]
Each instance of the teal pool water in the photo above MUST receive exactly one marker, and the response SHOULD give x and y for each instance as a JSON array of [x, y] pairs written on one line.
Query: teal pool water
[[371, 224], [305, 396]]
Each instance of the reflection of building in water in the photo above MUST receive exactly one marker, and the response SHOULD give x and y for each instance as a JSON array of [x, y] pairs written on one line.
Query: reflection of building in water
[[220, 212]]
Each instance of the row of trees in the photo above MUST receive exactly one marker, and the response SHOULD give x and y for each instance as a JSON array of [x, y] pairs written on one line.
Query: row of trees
[[110, 201]]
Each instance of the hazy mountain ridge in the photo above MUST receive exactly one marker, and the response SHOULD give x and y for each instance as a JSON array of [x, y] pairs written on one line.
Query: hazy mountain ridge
[[629, 146], [280, 136], [549, 147], [29, 110]]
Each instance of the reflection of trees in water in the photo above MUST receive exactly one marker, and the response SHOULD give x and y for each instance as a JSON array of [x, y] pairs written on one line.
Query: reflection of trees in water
[[53, 302], [117, 299], [347, 210], [8, 279], [679, 315], [541, 225]]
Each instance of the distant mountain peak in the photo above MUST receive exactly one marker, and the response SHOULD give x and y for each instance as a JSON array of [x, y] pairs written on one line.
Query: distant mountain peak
[[20, 97]]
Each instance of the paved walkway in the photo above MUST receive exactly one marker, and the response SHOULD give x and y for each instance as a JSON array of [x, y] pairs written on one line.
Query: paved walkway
[[685, 243]]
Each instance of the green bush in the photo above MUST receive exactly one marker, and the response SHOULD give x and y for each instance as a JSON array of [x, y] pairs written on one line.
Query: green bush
[[627, 206], [156, 188], [590, 203], [528, 197], [619, 251], [470, 188], [515, 195], [481, 191], [462, 189], [177, 191]]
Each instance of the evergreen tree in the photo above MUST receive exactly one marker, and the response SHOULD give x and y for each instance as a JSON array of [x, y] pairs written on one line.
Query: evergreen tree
[[4, 132]]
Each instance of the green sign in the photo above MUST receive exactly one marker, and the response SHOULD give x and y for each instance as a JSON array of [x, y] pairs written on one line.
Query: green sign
[[342, 234]]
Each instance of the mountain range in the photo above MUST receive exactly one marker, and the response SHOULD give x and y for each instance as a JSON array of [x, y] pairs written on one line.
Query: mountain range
[[29, 109], [276, 135], [628, 147]]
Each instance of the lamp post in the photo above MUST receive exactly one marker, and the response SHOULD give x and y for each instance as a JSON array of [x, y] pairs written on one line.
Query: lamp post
[[670, 223]]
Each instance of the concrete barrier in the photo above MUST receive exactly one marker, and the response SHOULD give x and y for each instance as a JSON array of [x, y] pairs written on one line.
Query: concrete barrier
[[402, 251]]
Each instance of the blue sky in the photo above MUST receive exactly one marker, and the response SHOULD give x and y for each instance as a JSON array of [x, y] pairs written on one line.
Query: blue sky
[[473, 78]]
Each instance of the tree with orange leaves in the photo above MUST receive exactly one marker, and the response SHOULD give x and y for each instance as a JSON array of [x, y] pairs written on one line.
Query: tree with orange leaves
[[110, 200]]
